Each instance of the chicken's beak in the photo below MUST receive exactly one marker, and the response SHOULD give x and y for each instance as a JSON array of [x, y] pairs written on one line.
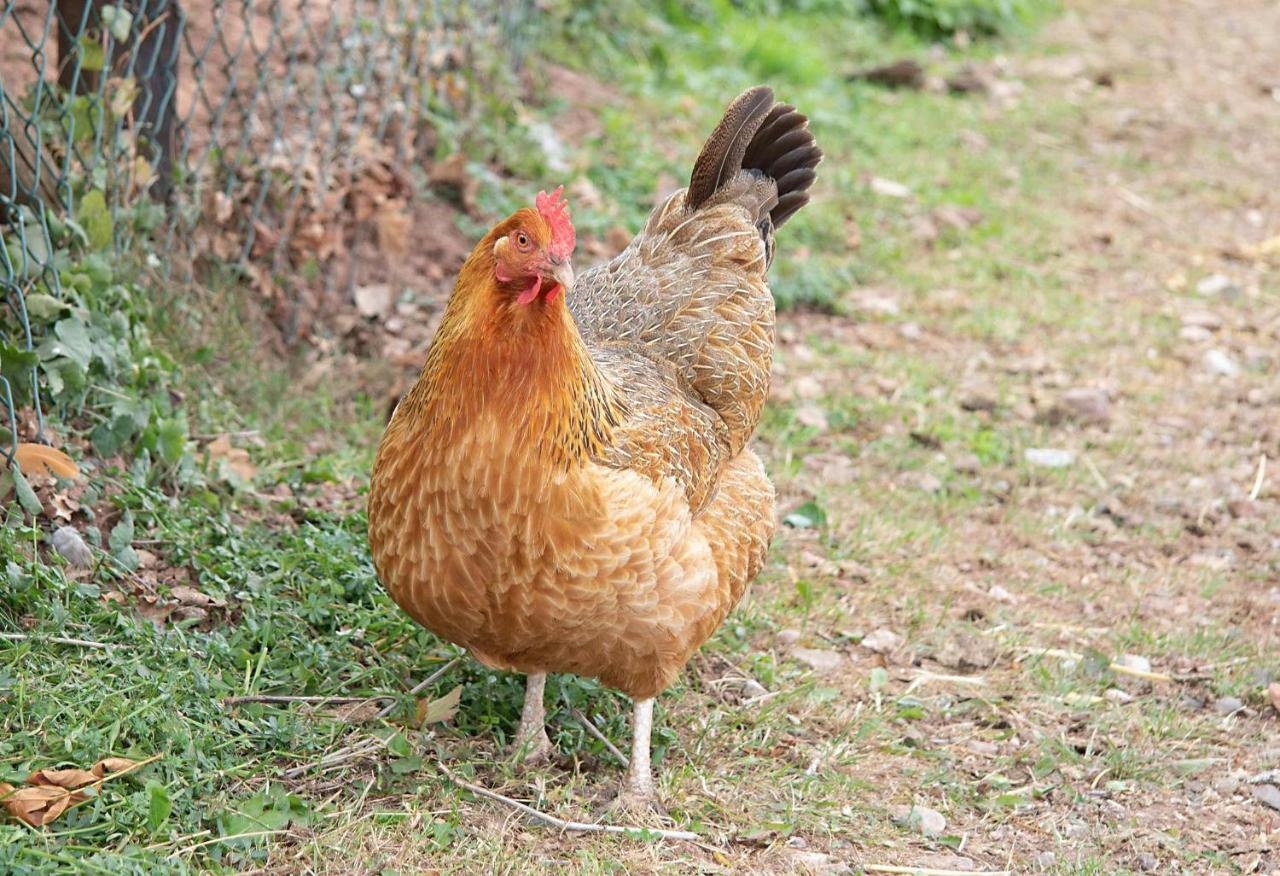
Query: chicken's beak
[[562, 273]]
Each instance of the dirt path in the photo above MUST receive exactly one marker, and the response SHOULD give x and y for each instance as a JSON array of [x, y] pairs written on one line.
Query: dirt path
[[1160, 541]]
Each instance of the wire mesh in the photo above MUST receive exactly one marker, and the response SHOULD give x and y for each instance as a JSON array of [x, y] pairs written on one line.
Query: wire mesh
[[229, 130]]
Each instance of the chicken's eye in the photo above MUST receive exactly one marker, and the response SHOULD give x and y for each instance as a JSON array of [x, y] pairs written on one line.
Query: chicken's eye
[[522, 240]]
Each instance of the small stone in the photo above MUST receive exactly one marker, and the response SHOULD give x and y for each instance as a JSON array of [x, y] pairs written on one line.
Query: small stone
[[999, 594], [978, 400], [1205, 319], [1147, 861], [819, 660], [71, 547], [882, 641], [1076, 830], [1046, 860], [1194, 334], [889, 188], [787, 638], [967, 463], [1117, 696], [928, 483], [1267, 795], [1049, 457], [813, 417], [753, 688], [1227, 705], [1086, 405], [816, 862], [921, 818], [807, 387], [1220, 363], [1215, 284], [1135, 661], [983, 747]]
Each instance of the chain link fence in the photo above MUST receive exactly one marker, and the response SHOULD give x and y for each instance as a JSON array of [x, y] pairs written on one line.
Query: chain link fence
[[271, 135]]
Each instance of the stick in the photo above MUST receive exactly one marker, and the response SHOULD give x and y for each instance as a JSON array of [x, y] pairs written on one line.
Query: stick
[[1115, 667], [595, 731], [435, 676], [573, 826], [342, 755], [927, 871], [59, 640], [335, 701], [1260, 479]]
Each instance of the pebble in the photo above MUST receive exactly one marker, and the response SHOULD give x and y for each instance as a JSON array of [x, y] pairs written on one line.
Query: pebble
[[1195, 334], [1088, 405], [1135, 661], [1046, 860], [816, 862], [1118, 696], [812, 416], [818, 659], [889, 188], [967, 463], [1147, 861], [1227, 705], [1220, 363], [999, 594], [788, 637], [1215, 284], [807, 387], [1267, 795], [71, 547], [1049, 457], [882, 641], [929, 822]]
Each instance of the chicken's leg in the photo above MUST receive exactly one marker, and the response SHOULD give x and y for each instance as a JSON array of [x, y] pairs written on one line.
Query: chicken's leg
[[638, 792], [531, 743]]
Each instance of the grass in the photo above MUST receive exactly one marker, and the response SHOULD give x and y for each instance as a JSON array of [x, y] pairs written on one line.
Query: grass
[[1001, 561]]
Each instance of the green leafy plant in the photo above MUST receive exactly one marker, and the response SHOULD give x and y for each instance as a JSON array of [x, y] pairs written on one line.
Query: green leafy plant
[[943, 17]]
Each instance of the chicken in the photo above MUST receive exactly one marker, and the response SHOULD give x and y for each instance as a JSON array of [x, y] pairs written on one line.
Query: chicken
[[568, 486]]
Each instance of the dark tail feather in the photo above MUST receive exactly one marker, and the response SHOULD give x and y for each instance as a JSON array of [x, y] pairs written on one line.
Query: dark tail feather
[[721, 157], [769, 138]]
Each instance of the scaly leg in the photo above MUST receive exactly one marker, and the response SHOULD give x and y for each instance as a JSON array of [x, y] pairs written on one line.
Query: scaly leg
[[531, 744], [638, 792]]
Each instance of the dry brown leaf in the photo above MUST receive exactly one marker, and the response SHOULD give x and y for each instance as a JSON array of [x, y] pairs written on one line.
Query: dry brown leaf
[[49, 793], [441, 709], [40, 804], [236, 458], [393, 223], [42, 459]]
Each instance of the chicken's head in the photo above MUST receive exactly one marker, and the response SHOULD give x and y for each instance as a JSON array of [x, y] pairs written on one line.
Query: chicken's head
[[531, 256]]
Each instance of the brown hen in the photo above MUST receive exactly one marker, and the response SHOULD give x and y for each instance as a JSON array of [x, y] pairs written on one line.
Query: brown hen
[[568, 487]]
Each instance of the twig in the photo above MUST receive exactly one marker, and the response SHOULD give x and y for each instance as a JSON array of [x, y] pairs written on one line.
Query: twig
[[1260, 479], [929, 871], [335, 758], [430, 679], [925, 677], [1062, 654], [334, 701], [595, 731], [60, 640], [573, 826]]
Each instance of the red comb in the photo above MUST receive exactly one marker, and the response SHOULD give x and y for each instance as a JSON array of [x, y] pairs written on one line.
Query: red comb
[[555, 210]]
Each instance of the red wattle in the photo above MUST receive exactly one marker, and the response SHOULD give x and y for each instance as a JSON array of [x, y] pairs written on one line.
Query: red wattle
[[531, 293]]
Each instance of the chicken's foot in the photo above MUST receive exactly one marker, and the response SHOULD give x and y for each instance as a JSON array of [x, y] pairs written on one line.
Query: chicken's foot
[[531, 745], [638, 793]]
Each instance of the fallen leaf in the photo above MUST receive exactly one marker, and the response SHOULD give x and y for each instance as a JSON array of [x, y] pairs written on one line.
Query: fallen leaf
[[440, 709], [235, 458], [50, 792], [393, 223], [39, 805], [42, 459], [374, 300]]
